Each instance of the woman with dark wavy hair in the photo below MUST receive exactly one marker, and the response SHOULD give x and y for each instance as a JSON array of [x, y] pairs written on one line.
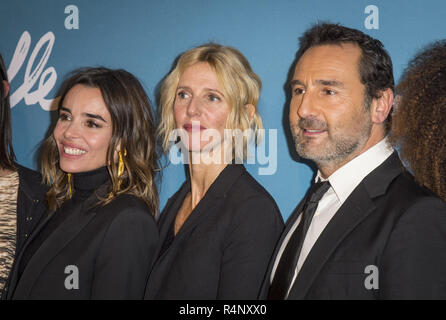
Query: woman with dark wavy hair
[[419, 120], [98, 239], [21, 192]]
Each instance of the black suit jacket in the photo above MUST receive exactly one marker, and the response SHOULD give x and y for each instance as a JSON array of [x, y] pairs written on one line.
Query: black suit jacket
[[223, 249], [388, 222], [111, 246], [30, 208], [30, 203]]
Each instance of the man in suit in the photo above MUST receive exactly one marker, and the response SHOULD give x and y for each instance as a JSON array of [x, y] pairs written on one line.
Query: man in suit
[[365, 230]]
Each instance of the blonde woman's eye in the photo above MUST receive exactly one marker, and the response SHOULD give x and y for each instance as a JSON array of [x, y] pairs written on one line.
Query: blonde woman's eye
[[214, 98], [183, 95]]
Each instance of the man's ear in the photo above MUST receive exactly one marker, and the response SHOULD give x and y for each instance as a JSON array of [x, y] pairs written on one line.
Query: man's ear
[[380, 107], [251, 110], [6, 86], [397, 102]]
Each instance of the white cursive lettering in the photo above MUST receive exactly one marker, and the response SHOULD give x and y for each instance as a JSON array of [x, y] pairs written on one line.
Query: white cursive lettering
[[47, 78]]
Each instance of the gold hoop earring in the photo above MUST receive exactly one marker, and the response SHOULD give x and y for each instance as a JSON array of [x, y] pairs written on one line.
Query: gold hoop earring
[[121, 166], [70, 191]]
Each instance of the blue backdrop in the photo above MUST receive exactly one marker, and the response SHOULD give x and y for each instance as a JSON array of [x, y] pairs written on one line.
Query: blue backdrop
[[43, 40]]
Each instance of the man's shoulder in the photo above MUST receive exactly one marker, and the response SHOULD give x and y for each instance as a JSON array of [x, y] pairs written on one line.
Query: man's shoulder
[[405, 182], [407, 195]]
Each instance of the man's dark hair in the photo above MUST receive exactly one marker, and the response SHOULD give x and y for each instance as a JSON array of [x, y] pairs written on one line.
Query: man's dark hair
[[6, 152], [375, 65]]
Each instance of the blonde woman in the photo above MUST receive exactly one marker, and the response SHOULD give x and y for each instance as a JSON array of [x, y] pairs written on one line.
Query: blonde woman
[[218, 231], [99, 237]]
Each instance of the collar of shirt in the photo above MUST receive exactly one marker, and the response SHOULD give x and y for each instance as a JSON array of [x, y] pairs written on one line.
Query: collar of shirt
[[344, 180]]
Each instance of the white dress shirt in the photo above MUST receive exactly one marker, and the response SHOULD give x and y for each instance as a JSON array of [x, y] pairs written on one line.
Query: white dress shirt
[[342, 183]]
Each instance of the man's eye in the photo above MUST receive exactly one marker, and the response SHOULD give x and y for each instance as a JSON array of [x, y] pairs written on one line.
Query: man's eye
[[329, 92], [298, 91]]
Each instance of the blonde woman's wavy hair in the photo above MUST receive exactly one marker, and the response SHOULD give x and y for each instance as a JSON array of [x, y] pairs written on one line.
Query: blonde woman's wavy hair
[[240, 84], [133, 130]]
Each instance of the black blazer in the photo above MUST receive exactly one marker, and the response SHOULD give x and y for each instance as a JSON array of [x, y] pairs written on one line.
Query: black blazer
[[223, 249], [30, 203], [389, 222], [30, 208], [111, 246]]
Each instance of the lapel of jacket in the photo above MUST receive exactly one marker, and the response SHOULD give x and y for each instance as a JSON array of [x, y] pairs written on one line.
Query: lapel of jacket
[[166, 217], [216, 193], [354, 210], [56, 241]]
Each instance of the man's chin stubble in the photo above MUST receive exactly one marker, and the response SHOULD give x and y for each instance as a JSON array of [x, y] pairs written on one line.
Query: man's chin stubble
[[334, 159]]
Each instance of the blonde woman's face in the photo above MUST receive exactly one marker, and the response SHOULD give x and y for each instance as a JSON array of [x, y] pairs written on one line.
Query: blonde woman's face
[[201, 108], [83, 130]]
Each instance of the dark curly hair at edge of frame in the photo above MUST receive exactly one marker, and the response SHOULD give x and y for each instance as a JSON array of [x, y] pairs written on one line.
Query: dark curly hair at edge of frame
[[419, 120]]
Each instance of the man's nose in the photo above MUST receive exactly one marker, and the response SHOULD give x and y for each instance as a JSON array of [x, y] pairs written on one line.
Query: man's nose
[[307, 106]]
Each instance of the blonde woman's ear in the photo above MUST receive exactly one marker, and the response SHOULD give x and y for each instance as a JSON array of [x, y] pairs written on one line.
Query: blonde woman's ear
[[251, 110]]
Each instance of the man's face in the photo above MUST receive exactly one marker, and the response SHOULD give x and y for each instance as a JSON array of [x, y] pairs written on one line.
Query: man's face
[[328, 118]]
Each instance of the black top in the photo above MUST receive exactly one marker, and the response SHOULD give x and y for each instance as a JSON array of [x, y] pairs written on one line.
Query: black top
[[85, 184], [93, 251], [223, 249]]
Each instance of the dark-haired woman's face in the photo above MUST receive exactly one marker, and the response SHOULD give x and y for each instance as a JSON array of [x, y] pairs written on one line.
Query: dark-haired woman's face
[[83, 131]]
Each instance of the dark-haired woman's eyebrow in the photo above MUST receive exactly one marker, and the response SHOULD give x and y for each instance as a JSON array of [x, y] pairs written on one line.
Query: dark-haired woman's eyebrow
[[64, 109], [94, 116]]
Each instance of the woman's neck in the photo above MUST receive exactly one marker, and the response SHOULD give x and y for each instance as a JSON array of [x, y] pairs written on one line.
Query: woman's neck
[[201, 178], [204, 168]]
